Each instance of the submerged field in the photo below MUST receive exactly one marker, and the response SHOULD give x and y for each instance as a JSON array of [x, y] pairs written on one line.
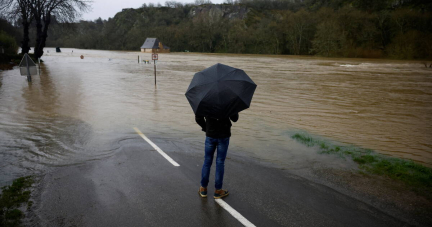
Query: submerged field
[[82, 109]]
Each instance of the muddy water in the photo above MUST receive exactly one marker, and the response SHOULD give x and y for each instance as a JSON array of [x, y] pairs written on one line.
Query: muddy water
[[84, 109]]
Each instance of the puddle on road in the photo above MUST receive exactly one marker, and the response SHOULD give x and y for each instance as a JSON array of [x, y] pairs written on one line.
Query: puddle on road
[[79, 109]]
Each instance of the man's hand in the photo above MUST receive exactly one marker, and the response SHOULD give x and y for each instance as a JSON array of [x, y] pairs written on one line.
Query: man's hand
[[201, 122]]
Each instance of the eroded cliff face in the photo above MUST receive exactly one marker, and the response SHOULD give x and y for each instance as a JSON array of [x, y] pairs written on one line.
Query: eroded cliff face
[[220, 11]]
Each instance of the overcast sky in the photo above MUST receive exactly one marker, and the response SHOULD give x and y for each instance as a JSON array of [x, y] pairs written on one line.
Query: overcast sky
[[108, 8]]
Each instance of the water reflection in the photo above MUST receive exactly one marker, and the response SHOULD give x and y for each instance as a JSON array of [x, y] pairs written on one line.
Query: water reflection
[[40, 96], [155, 100], [1, 84]]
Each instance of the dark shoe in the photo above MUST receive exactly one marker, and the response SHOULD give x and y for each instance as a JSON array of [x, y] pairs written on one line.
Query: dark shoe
[[220, 193], [203, 192]]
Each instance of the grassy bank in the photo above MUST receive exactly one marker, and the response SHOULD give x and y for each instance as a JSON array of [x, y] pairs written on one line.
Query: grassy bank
[[12, 198], [409, 172]]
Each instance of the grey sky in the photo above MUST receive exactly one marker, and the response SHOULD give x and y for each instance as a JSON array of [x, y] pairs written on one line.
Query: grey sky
[[108, 8]]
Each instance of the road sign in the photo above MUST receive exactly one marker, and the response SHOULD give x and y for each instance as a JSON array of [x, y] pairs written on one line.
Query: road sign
[[27, 66], [155, 57]]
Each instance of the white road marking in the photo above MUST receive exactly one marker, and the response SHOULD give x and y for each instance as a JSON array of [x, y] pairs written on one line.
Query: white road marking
[[234, 213], [156, 148], [222, 203]]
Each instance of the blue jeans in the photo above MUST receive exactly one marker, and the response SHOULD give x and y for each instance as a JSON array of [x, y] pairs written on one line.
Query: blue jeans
[[210, 146]]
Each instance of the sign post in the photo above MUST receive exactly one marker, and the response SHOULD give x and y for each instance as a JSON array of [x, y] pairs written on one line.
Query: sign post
[[154, 58], [28, 71]]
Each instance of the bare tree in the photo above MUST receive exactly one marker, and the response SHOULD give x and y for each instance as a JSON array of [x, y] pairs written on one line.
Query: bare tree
[[19, 9], [63, 10], [202, 2], [297, 26], [173, 4]]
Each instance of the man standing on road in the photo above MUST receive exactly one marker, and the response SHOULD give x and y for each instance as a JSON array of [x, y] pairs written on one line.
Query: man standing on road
[[218, 133]]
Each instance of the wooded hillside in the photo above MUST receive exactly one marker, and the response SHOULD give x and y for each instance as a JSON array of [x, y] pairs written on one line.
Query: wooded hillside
[[345, 28]]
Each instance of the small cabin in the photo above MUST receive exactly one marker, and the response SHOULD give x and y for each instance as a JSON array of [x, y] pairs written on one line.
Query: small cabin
[[153, 45]]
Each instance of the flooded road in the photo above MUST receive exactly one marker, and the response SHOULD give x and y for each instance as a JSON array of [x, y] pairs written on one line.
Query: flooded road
[[84, 109]]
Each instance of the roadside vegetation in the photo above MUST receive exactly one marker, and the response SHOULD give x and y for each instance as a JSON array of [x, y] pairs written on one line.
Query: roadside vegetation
[[10, 57], [409, 172], [8, 43], [10, 35], [8, 47], [12, 199], [9, 38]]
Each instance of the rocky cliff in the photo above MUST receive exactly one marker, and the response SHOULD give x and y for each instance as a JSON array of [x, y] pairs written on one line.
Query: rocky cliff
[[220, 11]]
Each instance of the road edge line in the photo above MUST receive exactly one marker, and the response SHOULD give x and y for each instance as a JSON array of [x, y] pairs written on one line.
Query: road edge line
[[234, 213], [174, 163]]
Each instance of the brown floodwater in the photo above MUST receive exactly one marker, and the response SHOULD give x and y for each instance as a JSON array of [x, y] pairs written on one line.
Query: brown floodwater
[[84, 109]]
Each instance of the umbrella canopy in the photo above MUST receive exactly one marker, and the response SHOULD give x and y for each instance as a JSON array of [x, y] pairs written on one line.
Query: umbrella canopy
[[220, 91]]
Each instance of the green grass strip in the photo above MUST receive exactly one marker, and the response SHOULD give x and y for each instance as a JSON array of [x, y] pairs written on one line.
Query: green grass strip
[[407, 171], [11, 198]]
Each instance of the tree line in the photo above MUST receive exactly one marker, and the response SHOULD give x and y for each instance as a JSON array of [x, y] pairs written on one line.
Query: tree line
[[334, 28], [39, 13]]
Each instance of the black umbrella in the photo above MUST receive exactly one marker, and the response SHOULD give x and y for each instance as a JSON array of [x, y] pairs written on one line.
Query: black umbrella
[[220, 91]]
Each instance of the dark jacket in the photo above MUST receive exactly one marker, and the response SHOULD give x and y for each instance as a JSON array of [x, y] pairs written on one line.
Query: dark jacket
[[216, 128]]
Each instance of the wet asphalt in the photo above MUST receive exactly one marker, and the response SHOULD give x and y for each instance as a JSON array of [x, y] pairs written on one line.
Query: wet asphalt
[[139, 187]]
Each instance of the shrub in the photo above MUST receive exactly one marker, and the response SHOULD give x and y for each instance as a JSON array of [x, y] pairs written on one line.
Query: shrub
[[8, 43]]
